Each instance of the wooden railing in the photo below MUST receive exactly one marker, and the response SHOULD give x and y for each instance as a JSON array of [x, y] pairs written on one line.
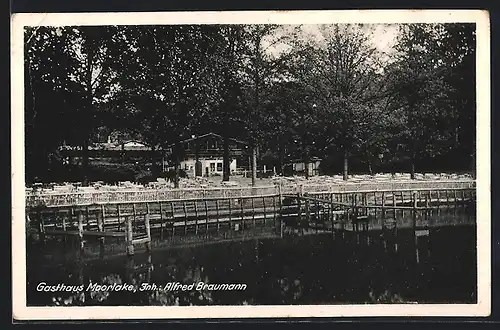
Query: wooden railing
[[51, 198], [214, 218]]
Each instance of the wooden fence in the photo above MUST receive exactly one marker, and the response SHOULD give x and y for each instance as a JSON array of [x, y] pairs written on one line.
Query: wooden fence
[[58, 199], [206, 219]]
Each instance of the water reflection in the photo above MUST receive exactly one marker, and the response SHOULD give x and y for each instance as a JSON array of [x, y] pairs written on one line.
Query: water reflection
[[376, 266]]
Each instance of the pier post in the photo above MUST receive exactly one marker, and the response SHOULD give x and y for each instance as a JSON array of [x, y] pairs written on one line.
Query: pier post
[[281, 226], [299, 212], [274, 211], [72, 216], [264, 206], [414, 224], [65, 238], [332, 219], [346, 222], [355, 224], [242, 213], [253, 212], [150, 267], [100, 228], [130, 268], [206, 216], [80, 233], [172, 210], [414, 210], [317, 217], [196, 217], [119, 216], [63, 217], [422, 234], [161, 220], [383, 207], [103, 212], [428, 211], [365, 202], [87, 217], [185, 217], [308, 215], [41, 227], [80, 266], [256, 249], [130, 237], [438, 205], [217, 215], [230, 216], [455, 202], [134, 211], [148, 232], [280, 194]]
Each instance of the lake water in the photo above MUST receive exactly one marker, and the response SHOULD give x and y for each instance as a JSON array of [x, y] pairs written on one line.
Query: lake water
[[309, 269]]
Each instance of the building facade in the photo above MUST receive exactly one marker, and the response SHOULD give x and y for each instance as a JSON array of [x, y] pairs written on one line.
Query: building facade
[[203, 155], [298, 166]]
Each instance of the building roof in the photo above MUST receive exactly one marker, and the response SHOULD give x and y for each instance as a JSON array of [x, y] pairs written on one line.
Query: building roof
[[113, 146], [312, 159], [203, 136], [135, 145]]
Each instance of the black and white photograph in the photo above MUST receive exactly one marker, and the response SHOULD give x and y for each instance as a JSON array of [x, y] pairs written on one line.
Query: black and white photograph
[[260, 164]]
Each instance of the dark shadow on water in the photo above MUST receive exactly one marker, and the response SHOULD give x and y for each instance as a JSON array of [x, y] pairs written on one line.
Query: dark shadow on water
[[312, 269]]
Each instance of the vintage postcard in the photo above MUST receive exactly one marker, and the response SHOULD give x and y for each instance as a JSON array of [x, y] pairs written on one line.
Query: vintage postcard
[[251, 164]]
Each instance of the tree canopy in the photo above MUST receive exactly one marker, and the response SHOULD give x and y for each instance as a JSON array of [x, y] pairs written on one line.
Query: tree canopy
[[333, 94]]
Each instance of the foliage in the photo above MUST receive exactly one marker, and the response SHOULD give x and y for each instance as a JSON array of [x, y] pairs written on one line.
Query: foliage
[[425, 86], [290, 95]]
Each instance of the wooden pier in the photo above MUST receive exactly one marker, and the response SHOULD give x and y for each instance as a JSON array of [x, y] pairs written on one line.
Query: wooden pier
[[204, 219]]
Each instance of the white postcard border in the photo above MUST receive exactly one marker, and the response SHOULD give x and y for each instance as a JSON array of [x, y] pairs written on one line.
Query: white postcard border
[[481, 18]]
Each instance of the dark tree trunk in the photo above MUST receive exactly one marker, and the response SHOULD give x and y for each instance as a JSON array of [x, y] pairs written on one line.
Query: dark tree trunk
[[197, 163], [413, 156], [88, 116], [85, 162], [281, 157], [154, 162], [346, 167], [306, 166], [176, 176], [473, 158], [412, 168], [225, 158], [176, 157], [254, 165], [305, 155], [474, 175]]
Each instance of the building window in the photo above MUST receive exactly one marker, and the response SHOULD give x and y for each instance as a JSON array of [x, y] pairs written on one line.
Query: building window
[[212, 167], [219, 167]]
